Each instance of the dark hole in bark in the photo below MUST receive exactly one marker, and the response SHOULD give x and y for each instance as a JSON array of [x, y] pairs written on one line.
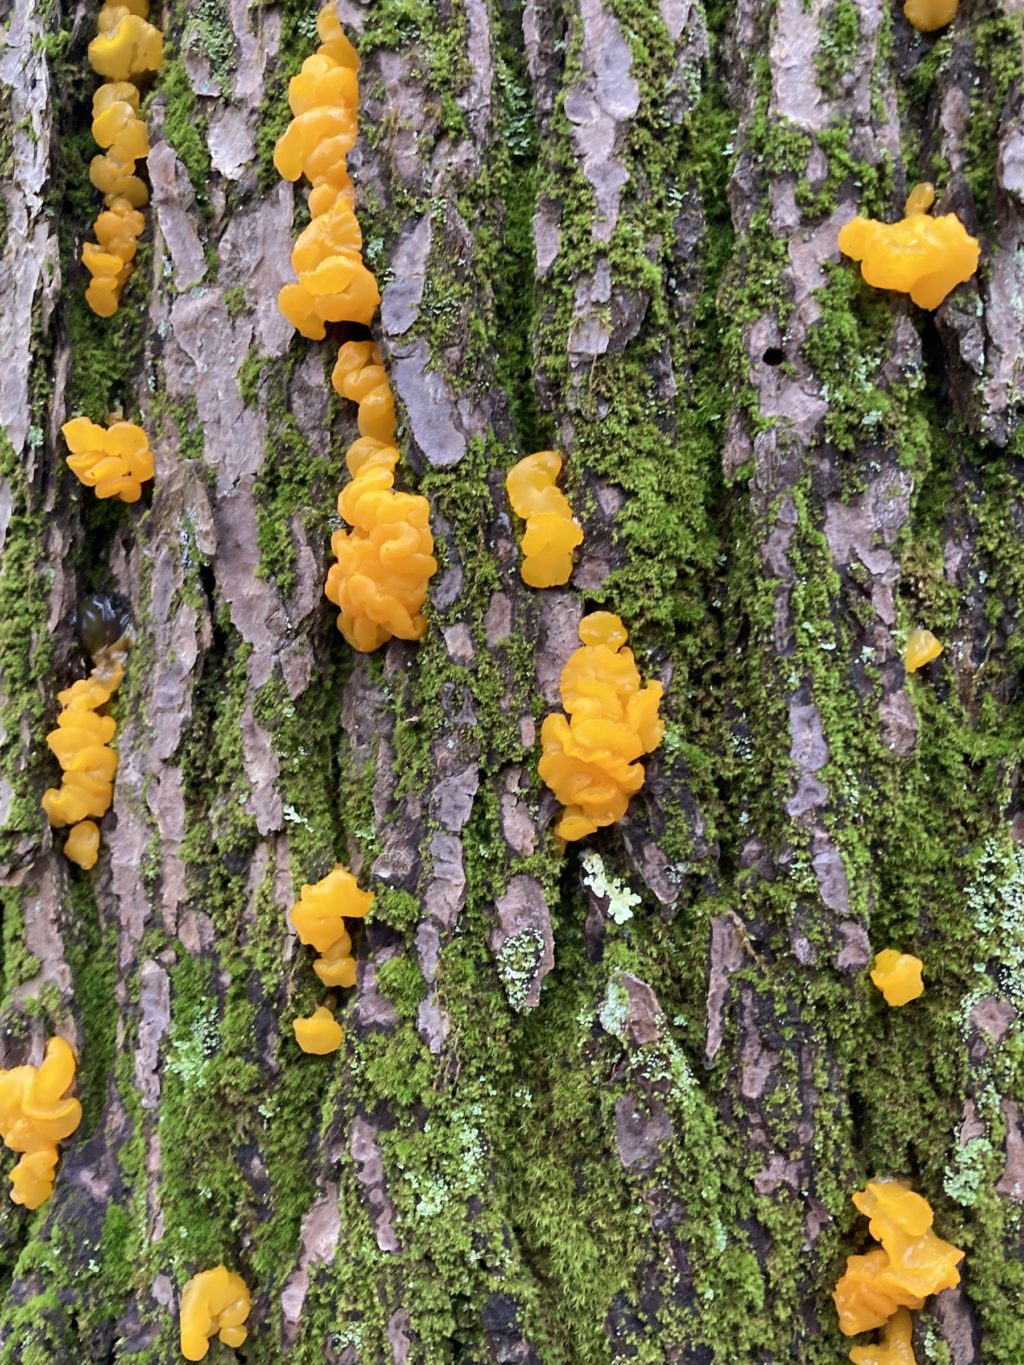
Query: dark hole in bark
[[773, 356]]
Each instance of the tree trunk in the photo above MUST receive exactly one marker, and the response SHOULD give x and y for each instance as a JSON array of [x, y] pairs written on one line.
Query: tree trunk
[[554, 1132]]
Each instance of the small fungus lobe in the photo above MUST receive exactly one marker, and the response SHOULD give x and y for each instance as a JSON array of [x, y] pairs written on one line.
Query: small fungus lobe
[[319, 1032], [81, 744], [116, 460], [896, 1346], [910, 1264], [589, 755], [551, 533], [898, 976], [213, 1303], [928, 15], [922, 256], [385, 562], [35, 1114], [922, 648], [126, 47]]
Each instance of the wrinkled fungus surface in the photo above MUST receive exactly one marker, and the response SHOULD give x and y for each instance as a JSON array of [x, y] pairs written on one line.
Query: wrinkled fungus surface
[[551, 533], [81, 744], [895, 1348], [116, 460], [589, 754], [910, 1264], [333, 284], [125, 48], [319, 1032], [922, 648], [213, 1303], [928, 15], [385, 562], [898, 976], [922, 256], [36, 1114]]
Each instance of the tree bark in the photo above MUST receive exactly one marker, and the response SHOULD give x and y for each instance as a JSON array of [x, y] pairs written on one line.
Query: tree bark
[[561, 1127]]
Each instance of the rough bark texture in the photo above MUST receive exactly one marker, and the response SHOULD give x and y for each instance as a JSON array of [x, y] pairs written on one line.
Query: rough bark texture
[[555, 1133]]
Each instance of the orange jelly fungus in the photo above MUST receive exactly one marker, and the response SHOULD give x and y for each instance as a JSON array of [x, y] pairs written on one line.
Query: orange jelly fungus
[[922, 648], [895, 1348], [589, 758], [320, 1033], [551, 533], [928, 15], [922, 256], [385, 562], [126, 47], [81, 743], [910, 1264], [898, 976], [115, 460], [125, 44], [35, 1115], [319, 919], [333, 284], [213, 1303]]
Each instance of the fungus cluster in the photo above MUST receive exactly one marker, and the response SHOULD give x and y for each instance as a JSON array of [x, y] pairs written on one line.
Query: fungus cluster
[[116, 460], [385, 562], [551, 532], [910, 1264], [81, 744], [928, 15], [589, 758], [333, 284], [213, 1303], [36, 1114], [126, 47], [898, 976], [319, 920], [922, 256]]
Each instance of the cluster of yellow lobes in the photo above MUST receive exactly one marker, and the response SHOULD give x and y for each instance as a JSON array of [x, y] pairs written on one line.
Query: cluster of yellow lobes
[[589, 755], [551, 533], [333, 283], [35, 1115], [385, 562], [319, 919], [898, 976], [116, 460], [922, 256], [910, 1264], [214, 1303], [81, 743], [126, 46]]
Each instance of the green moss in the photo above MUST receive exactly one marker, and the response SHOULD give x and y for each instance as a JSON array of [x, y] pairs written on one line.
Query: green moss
[[838, 40]]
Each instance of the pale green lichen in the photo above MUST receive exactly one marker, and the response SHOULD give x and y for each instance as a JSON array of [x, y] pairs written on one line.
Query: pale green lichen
[[621, 900]]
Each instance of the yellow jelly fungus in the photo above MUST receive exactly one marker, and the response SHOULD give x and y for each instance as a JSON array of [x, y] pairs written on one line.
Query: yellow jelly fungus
[[81, 744], [213, 1303], [895, 1348], [319, 919], [115, 460], [385, 562], [921, 256], [589, 758], [928, 15], [35, 1115], [551, 533], [898, 976], [922, 648], [320, 1033], [333, 284], [910, 1264], [125, 44]]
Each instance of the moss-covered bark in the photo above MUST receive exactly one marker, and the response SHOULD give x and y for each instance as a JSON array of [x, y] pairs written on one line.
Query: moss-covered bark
[[566, 1124]]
